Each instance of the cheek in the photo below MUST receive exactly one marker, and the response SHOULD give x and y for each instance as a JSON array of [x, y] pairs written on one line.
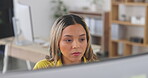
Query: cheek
[[84, 45], [64, 47]]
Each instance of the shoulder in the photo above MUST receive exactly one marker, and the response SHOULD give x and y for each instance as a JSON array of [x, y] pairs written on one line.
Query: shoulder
[[43, 64]]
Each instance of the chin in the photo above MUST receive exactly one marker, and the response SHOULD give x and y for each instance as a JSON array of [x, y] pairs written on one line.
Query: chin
[[75, 59]]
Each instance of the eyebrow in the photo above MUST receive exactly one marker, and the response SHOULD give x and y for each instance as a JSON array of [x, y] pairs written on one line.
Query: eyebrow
[[71, 35], [82, 34]]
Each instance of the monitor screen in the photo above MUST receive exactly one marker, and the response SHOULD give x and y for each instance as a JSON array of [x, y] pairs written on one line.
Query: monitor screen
[[23, 21], [6, 13], [135, 66]]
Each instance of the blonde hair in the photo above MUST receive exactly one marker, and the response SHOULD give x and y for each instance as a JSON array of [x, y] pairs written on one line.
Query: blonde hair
[[59, 25]]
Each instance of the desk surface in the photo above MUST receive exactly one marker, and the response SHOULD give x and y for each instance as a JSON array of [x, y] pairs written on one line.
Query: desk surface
[[33, 52]]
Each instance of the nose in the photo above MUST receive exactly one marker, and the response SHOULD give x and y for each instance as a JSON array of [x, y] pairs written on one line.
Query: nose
[[76, 44]]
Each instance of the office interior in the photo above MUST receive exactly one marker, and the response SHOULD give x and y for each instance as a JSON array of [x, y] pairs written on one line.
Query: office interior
[[118, 28]]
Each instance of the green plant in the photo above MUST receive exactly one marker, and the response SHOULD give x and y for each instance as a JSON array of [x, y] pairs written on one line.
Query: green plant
[[61, 9], [94, 1]]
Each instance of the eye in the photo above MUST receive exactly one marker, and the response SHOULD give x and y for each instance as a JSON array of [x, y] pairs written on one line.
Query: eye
[[68, 40], [82, 39]]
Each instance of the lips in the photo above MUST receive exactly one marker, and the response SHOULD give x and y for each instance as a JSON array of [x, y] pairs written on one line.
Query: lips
[[76, 53]]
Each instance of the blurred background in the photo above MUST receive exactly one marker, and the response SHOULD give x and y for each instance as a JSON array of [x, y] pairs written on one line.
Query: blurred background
[[118, 28]]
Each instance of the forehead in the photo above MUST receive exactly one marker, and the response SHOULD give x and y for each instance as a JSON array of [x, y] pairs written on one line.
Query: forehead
[[76, 29]]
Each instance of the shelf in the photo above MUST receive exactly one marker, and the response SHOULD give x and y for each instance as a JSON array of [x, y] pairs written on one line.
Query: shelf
[[127, 44], [87, 13], [126, 23], [130, 43], [131, 3], [117, 3], [95, 35], [136, 4]]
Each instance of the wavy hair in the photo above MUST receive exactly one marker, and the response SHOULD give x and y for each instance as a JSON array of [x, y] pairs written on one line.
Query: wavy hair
[[59, 25]]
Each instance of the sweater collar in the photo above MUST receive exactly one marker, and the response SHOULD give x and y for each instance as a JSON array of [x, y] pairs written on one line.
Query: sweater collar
[[59, 62]]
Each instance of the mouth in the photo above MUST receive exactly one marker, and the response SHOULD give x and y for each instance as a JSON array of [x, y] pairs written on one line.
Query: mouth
[[76, 53]]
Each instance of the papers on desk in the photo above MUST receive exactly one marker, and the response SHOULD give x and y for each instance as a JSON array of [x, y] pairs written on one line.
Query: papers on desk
[[42, 42]]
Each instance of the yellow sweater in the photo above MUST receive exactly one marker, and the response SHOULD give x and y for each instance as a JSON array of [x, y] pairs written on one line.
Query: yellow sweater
[[45, 64]]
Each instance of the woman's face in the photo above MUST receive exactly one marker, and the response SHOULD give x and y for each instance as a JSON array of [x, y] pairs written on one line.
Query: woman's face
[[73, 43]]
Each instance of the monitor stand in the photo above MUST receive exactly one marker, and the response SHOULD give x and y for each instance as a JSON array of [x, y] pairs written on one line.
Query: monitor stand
[[23, 42]]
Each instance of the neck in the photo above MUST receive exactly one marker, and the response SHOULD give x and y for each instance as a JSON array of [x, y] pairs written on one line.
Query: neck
[[68, 62]]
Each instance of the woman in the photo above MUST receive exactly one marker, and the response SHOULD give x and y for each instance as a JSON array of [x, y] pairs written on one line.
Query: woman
[[69, 43]]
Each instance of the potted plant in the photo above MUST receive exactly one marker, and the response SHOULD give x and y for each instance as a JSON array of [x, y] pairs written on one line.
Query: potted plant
[[61, 9]]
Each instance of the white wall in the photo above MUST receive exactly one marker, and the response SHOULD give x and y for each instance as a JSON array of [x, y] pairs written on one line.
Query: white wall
[[77, 4], [42, 14]]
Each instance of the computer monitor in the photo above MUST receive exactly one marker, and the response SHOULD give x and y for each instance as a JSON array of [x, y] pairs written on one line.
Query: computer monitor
[[6, 13], [135, 66], [22, 21]]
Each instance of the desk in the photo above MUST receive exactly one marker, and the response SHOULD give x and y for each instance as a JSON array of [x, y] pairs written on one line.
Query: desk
[[33, 52]]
